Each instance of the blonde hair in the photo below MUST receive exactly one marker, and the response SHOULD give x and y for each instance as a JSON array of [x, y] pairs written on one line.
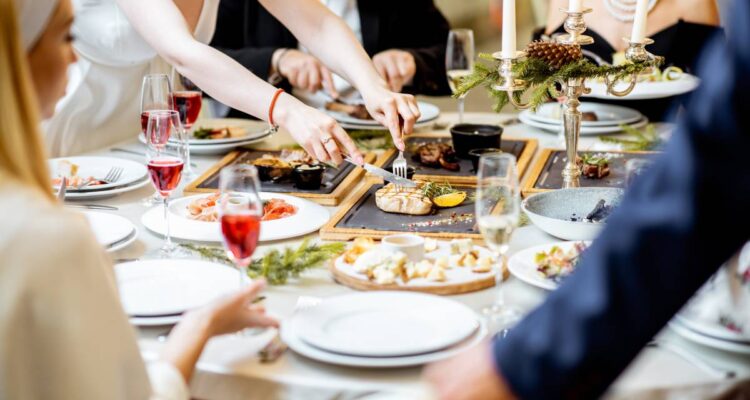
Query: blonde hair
[[22, 155]]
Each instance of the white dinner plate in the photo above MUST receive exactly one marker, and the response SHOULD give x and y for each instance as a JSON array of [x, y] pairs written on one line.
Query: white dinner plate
[[152, 288], [585, 130], [646, 90], [385, 324], [309, 218], [109, 229], [155, 321], [607, 114], [708, 329], [289, 336], [254, 130], [124, 242], [523, 266], [709, 341], [99, 194], [99, 167], [430, 112], [220, 148]]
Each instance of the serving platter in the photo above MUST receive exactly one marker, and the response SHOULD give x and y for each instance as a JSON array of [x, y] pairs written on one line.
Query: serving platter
[[458, 279], [546, 173], [359, 216], [337, 183], [522, 149]]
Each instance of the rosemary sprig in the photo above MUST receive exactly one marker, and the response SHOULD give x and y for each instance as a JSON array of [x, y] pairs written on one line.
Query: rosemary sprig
[[277, 266], [541, 77], [638, 140], [434, 189]]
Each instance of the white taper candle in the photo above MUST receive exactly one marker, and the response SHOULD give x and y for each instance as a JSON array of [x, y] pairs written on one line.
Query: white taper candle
[[509, 29], [575, 5], [639, 22]]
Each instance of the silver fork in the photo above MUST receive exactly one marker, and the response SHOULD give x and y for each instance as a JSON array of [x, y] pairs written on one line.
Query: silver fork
[[63, 189], [276, 347], [399, 165], [113, 175]]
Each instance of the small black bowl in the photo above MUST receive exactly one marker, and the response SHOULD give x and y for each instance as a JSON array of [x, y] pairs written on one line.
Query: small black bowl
[[409, 171], [474, 155], [473, 136], [308, 177], [276, 174]]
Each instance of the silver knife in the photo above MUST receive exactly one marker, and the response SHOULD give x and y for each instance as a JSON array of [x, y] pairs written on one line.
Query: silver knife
[[92, 206], [388, 176]]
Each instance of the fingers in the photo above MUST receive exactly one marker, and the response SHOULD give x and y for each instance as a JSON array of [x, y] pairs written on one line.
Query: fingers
[[260, 319], [407, 114], [328, 84], [394, 76], [319, 151], [332, 148], [313, 80], [351, 147], [391, 120]]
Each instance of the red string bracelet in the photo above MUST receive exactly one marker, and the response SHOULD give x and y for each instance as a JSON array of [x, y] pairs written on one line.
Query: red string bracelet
[[270, 109]]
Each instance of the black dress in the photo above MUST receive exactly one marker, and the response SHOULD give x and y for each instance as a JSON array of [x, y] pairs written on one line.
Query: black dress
[[680, 44]]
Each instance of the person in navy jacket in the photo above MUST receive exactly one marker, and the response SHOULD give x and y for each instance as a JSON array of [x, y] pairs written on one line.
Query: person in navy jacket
[[676, 225]]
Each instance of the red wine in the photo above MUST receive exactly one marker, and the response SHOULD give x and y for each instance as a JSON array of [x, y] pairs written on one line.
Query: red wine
[[165, 173], [144, 122], [188, 104], [161, 127], [241, 233]]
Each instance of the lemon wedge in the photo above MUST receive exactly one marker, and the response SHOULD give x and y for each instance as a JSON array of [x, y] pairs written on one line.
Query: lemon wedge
[[449, 200]]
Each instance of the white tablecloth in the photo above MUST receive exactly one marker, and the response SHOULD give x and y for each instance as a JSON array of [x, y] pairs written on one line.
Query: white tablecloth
[[229, 367]]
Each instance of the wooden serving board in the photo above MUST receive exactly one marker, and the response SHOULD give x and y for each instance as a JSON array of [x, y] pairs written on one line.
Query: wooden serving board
[[359, 216], [337, 183], [523, 149], [546, 174], [441, 288]]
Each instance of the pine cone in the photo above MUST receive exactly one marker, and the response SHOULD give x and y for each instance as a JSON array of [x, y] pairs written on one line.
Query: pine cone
[[554, 54]]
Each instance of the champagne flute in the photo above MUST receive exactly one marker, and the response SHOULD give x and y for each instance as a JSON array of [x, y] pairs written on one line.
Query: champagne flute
[[240, 213], [497, 213], [459, 62], [187, 100], [156, 95], [165, 162]]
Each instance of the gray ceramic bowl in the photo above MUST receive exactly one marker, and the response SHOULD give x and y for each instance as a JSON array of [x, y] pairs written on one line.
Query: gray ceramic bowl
[[553, 211]]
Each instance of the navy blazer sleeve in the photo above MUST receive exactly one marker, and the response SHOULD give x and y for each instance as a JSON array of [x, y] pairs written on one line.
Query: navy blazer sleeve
[[681, 220]]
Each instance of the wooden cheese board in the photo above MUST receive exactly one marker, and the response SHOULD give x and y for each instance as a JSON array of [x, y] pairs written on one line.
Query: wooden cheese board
[[522, 149], [337, 182], [359, 216], [546, 173]]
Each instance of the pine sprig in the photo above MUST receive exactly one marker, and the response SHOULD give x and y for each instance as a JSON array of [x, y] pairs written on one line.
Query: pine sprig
[[540, 76], [638, 140], [278, 266]]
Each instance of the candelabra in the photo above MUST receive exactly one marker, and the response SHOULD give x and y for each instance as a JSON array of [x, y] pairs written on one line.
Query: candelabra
[[570, 90]]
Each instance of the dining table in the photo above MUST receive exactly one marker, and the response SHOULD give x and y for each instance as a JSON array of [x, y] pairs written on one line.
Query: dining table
[[230, 367]]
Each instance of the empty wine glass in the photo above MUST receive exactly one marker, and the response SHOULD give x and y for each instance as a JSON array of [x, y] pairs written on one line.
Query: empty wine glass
[[240, 213], [187, 99], [165, 161], [459, 62], [156, 95], [497, 213]]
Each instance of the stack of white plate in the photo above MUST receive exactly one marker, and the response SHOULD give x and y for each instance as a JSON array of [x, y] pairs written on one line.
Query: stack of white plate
[[383, 329], [549, 117], [710, 334], [430, 114], [134, 175], [157, 292], [255, 131], [646, 90], [113, 232]]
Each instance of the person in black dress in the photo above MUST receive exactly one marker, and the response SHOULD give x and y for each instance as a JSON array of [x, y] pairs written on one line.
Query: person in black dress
[[679, 28], [406, 40]]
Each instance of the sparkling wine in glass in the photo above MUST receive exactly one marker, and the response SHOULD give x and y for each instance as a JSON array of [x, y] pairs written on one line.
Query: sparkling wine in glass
[[497, 213], [240, 213], [459, 61], [187, 99], [156, 95], [165, 161]]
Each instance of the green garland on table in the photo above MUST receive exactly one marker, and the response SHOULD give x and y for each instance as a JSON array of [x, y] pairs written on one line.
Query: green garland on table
[[540, 76], [639, 140], [278, 266]]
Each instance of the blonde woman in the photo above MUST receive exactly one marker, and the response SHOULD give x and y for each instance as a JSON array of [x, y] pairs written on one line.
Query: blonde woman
[[63, 333], [119, 38]]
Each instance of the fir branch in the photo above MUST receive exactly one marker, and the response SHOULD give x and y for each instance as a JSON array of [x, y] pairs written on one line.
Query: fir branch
[[278, 266], [638, 140]]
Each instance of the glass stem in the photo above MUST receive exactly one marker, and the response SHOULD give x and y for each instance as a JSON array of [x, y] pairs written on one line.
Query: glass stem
[[500, 297], [461, 110], [168, 242]]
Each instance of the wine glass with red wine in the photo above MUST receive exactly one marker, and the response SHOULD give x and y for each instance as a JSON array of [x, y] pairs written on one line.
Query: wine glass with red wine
[[240, 213], [187, 99], [166, 160], [156, 95]]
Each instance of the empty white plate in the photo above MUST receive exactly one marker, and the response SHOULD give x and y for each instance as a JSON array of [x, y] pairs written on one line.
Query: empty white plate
[[109, 229], [385, 324], [710, 341], [585, 130], [607, 114], [151, 288]]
